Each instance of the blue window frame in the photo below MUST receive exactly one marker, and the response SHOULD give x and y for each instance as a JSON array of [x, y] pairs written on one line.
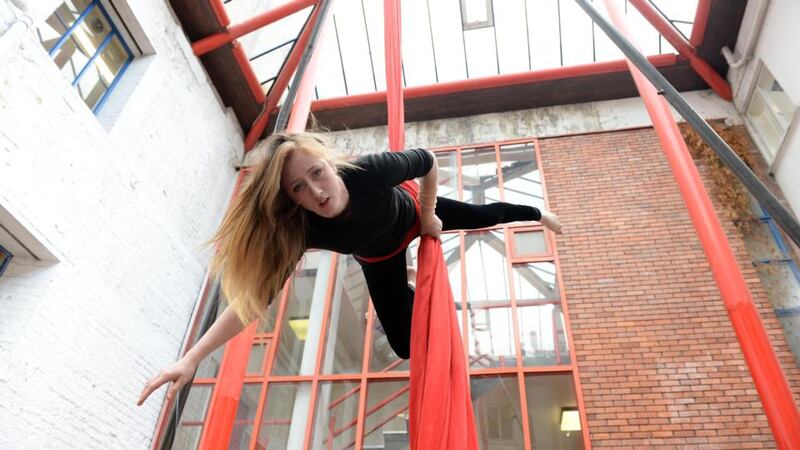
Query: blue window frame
[[88, 47], [5, 258], [780, 257]]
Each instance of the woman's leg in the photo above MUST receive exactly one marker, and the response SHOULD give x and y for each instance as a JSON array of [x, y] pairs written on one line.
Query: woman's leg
[[393, 299], [457, 215]]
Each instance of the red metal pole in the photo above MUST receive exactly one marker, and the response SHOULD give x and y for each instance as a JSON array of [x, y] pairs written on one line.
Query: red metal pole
[[700, 22], [490, 82], [289, 67], [302, 103], [209, 43], [663, 26], [219, 11], [225, 398], [394, 77], [765, 368]]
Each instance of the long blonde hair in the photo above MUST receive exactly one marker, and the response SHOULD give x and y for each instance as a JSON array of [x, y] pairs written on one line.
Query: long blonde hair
[[262, 237]]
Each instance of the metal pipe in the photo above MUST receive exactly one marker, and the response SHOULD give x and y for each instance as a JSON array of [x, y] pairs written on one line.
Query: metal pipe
[[765, 368], [213, 42], [752, 38], [687, 50]]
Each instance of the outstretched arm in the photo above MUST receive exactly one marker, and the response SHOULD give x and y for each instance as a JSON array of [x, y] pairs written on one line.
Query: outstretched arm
[[181, 371]]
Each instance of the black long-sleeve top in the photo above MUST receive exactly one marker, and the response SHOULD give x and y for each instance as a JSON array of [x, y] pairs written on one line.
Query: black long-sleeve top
[[379, 213]]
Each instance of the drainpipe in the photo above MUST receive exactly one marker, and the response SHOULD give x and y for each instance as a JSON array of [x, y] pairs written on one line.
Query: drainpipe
[[752, 40], [18, 27], [755, 31]]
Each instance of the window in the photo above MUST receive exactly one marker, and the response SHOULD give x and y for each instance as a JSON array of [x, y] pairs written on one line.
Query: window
[[769, 114], [779, 274], [87, 41], [476, 14]]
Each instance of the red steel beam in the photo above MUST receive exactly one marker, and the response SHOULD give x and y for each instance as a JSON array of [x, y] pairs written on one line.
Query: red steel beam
[[226, 395], [209, 43], [495, 81], [394, 77], [700, 22], [289, 68], [765, 368], [663, 26]]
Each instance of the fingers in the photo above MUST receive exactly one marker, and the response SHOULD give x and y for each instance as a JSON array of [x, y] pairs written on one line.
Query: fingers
[[151, 386]]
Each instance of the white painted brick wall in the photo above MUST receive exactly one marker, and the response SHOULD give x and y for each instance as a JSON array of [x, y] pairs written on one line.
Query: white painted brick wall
[[126, 209]]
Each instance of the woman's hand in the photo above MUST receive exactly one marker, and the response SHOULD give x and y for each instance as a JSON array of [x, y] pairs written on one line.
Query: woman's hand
[[551, 222], [431, 226], [180, 372]]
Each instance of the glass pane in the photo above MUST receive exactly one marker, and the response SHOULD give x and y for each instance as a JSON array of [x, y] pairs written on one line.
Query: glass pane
[[781, 285], [283, 423], [267, 323], [295, 323], [522, 183], [548, 398], [209, 367], [774, 95], [382, 357], [764, 123], [528, 243], [347, 323], [543, 337], [386, 417], [448, 175], [90, 86], [491, 336], [111, 60], [245, 416], [336, 415], [496, 404], [535, 281], [187, 435], [479, 176], [485, 254], [255, 363]]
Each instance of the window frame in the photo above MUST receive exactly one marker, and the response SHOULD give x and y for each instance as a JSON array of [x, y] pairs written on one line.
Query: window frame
[[118, 29]]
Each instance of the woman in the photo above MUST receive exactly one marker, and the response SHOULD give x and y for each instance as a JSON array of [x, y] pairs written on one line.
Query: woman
[[303, 196]]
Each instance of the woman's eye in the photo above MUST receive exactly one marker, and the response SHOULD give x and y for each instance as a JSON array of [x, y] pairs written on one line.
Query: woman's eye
[[297, 188], [318, 172]]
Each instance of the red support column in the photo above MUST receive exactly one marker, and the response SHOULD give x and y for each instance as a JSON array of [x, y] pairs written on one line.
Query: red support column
[[394, 74], [765, 368], [209, 43], [700, 22], [662, 25]]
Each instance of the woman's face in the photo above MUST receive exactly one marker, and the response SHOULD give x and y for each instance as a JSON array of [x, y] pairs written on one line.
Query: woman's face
[[312, 183]]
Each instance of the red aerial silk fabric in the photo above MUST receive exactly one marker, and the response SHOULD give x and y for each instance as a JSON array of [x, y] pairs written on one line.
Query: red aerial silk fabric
[[440, 405]]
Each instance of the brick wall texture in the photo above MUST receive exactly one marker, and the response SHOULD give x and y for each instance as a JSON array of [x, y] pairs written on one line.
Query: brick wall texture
[[659, 363]]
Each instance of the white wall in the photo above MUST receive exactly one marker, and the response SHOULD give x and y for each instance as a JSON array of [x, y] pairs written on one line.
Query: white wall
[[125, 209], [776, 46]]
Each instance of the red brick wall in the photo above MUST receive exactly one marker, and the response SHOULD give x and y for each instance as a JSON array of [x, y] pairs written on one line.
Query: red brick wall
[[658, 360]]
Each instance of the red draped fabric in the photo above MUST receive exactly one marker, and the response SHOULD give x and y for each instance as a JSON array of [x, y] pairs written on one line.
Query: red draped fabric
[[440, 404]]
